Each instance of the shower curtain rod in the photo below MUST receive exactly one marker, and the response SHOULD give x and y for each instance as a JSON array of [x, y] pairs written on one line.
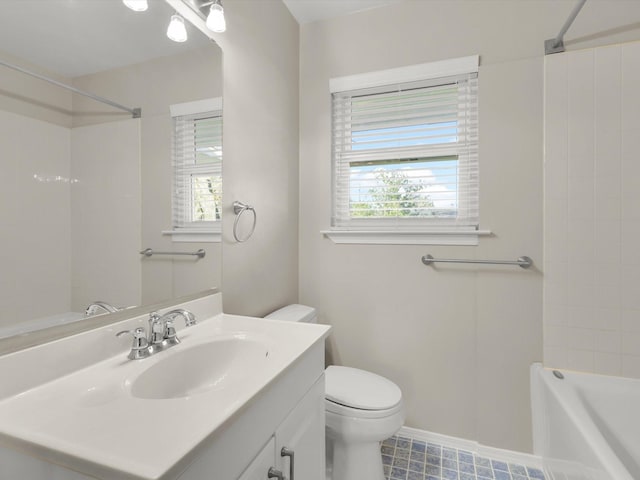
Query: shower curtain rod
[[556, 45], [135, 112]]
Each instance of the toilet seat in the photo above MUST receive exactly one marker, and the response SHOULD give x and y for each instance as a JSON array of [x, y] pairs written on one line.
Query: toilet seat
[[355, 392], [344, 411]]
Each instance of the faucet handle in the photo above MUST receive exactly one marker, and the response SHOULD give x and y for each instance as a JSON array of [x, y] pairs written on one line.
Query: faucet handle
[[156, 329], [139, 349], [170, 333], [139, 335]]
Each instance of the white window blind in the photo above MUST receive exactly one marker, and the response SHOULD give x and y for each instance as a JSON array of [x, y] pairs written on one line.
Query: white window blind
[[197, 168], [405, 155]]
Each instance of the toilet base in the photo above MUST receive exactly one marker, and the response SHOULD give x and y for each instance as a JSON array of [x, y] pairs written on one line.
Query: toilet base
[[354, 461]]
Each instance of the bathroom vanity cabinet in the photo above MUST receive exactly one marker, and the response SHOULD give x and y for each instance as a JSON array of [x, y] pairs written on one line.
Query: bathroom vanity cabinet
[[230, 456], [88, 423], [301, 434]]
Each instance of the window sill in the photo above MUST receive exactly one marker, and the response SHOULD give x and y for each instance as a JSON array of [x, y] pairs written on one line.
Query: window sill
[[194, 236], [441, 237]]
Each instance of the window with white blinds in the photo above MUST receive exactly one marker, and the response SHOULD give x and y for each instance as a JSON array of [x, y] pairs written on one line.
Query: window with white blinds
[[197, 171], [405, 155]]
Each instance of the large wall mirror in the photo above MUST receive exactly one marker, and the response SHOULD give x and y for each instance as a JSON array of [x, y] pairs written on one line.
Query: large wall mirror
[[86, 187]]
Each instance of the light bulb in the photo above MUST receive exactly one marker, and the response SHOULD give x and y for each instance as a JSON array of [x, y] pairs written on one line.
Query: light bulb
[[177, 31], [136, 5], [215, 19]]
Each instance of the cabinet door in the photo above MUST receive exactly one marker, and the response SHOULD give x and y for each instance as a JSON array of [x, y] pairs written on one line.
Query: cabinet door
[[302, 434], [258, 469]]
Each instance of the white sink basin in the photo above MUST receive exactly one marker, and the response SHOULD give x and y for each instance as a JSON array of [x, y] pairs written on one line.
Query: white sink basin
[[215, 365]]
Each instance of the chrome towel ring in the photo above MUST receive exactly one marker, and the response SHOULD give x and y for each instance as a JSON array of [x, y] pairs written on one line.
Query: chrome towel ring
[[239, 208]]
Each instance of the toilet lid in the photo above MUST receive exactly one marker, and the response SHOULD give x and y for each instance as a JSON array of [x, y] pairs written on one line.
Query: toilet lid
[[360, 389]]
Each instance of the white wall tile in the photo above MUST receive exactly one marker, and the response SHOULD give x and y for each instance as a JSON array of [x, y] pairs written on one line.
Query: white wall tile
[[608, 203], [556, 213], [106, 213], [556, 168], [583, 360], [606, 318], [608, 240], [608, 130], [581, 317], [555, 357], [580, 239], [630, 173], [580, 112], [608, 341], [581, 203], [631, 343], [630, 236], [555, 336], [631, 366], [556, 315], [556, 272], [607, 363], [630, 81], [556, 249], [602, 203], [581, 338], [606, 273], [555, 293], [581, 273], [581, 295], [630, 320], [606, 296], [35, 218], [630, 285]]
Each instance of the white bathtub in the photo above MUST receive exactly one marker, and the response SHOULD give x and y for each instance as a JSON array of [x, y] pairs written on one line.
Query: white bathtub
[[586, 426]]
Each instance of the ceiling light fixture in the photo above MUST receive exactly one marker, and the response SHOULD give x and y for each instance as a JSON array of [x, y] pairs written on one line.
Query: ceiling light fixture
[[215, 19], [136, 5], [177, 30]]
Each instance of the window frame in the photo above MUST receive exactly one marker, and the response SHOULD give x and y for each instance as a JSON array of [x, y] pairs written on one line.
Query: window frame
[[398, 229], [184, 230]]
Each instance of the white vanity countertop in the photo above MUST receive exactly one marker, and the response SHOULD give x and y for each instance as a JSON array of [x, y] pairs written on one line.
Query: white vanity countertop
[[89, 421]]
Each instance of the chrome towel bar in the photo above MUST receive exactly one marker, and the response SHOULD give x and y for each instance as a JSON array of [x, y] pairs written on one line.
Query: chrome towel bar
[[147, 252], [522, 262]]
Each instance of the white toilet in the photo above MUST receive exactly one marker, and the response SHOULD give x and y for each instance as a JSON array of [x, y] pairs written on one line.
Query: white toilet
[[362, 409]]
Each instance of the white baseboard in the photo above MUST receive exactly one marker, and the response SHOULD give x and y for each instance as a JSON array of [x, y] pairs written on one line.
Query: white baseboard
[[472, 446]]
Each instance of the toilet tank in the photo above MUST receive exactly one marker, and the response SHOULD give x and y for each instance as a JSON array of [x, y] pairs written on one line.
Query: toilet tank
[[295, 313]]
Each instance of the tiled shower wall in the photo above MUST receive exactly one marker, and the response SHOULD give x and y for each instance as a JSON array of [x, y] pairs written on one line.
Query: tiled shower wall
[[592, 210]]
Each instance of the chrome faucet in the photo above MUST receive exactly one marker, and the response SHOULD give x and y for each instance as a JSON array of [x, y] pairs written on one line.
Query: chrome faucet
[[93, 308], [189, 318], [162, 333]]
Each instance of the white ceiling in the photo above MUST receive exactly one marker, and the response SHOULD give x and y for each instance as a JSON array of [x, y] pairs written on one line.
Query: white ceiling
[[78, 37], [306, 11]]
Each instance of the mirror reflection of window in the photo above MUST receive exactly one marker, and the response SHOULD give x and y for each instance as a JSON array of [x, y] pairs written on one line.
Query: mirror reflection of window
[[197, 166]]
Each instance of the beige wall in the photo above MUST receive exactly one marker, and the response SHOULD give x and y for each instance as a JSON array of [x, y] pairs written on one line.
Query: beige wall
[[260, 154], [458, 340], [153, 86]]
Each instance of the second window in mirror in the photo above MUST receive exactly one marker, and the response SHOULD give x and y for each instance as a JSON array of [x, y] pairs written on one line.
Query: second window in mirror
[[197, 170]]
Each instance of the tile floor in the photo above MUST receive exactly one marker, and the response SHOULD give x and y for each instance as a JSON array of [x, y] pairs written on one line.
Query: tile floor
[[406, 459]]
